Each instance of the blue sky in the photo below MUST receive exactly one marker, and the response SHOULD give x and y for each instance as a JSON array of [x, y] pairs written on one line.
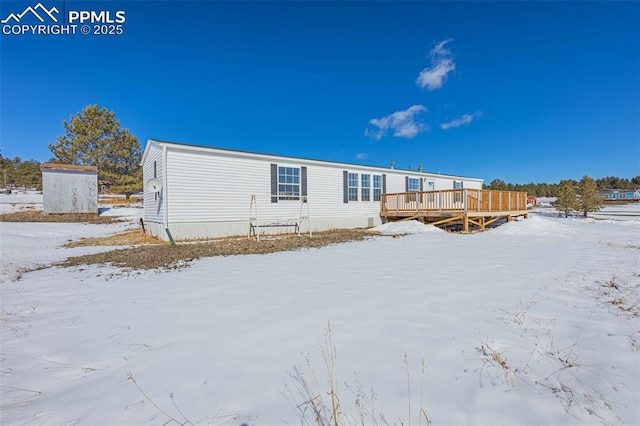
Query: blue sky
[[521, 91]]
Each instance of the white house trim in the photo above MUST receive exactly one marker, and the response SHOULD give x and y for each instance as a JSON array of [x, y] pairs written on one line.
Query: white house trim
[[165, 211]]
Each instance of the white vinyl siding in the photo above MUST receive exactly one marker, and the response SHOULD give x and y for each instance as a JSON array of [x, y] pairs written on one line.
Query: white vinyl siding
[[201, 191], [153, 168]]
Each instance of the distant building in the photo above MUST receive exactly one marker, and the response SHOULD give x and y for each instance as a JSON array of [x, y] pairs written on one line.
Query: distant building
[[68, 188], [532, 200], [619, 194]]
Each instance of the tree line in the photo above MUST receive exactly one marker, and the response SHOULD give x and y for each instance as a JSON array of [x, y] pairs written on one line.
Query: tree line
[[18, 173], [553, 189], [92, 138], [95, 138]]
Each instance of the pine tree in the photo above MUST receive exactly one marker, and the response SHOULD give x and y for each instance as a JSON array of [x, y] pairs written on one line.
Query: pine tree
[[498, 185], [94, 137], [124, 171], [27, 174], [566, 200], [588, 198]]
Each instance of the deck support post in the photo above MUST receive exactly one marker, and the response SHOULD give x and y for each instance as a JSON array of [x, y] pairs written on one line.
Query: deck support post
[[465, 223]]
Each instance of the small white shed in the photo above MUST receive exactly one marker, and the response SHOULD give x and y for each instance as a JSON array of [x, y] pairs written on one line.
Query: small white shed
[[197, 192], [68, 188]]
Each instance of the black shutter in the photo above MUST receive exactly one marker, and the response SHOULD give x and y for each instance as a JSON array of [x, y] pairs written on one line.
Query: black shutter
[[274, 183], [345, 186], [384, 183], [303, 181], [421, 185], [406, 184]]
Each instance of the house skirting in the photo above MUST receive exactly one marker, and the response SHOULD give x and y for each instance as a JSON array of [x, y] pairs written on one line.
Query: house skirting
[[208, 230]]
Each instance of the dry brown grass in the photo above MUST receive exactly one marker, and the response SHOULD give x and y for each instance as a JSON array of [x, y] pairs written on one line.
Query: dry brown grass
[[38, 216], [498, 361], [156, 256], [127, 238], [152, 253], [119, 200], [319, 401]]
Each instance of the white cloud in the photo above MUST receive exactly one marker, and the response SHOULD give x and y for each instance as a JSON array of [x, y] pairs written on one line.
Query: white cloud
[[402, 123], [465, 120], [362, 156], [441, 64]]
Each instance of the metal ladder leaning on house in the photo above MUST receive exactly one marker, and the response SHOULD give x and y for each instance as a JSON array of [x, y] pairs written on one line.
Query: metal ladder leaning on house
[[255, 225], [304, 215]]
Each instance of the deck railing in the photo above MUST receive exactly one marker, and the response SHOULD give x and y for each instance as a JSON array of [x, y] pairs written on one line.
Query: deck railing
[[453, 200]]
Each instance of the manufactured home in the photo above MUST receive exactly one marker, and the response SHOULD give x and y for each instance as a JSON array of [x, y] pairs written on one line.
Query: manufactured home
[[619, 194], [68, 188], [197, 192]]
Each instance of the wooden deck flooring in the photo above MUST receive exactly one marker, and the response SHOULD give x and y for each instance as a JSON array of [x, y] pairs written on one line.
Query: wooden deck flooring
[[468, 209]]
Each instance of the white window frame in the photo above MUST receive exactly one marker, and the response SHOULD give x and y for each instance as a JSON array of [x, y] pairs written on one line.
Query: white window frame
[[365, 187], [287, 187], [413, 182], [377, 187], [352, 186]]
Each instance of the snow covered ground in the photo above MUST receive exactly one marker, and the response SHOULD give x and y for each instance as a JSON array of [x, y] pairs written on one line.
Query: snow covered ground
[[534, 322]]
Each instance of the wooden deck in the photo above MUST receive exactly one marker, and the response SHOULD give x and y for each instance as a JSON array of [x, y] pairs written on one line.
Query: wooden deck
[[469, 208]]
